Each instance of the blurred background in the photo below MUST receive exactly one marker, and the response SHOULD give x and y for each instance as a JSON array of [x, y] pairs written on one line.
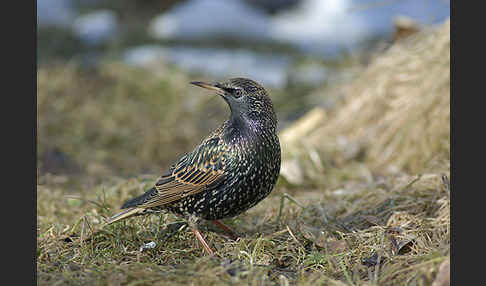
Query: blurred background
[[113, 91]]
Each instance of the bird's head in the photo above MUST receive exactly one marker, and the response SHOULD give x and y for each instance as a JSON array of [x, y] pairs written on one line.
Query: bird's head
[[247, 99]]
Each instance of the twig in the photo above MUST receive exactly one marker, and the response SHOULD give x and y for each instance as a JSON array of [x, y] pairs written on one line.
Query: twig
[[290, 198], [295, 238]]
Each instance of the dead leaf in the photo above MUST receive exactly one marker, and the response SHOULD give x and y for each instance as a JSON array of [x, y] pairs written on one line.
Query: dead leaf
[[313, 234], [405, 246], [394, 230], [372, 260], [69, 238], [372, 219], [321, 240], [336, 246]]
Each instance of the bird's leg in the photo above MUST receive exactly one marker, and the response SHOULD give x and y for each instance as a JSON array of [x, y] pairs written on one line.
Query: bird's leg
[[226, 229], [203, 242], [192, 221]]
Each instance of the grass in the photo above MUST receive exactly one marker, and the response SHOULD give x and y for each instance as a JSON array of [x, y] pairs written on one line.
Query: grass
[[294, 236], [338, 215], [94, 123], [146, 110], [394, 118]]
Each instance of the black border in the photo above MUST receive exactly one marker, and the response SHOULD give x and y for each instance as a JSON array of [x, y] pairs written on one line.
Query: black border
[[453, 93], [22, 65], [19, 121], [34, 150]]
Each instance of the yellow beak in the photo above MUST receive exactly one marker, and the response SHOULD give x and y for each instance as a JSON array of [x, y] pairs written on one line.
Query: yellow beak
[[208, 86]]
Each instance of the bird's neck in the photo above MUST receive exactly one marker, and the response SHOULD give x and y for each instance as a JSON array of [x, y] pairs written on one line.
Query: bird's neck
[[241, 127]]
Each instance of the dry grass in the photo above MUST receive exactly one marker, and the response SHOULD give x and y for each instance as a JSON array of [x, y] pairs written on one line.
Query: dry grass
[[395, 118], [341, 217], [94, 123], [302, 238], [146, 110]]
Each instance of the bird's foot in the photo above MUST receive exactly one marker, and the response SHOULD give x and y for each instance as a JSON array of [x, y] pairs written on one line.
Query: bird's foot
[[192, 221], [228, 230], [203, 242]]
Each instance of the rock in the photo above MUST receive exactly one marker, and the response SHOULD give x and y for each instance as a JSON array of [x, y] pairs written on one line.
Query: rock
[[148, 245]]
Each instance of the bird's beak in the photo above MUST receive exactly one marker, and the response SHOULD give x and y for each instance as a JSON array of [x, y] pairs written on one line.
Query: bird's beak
[[209, 86]]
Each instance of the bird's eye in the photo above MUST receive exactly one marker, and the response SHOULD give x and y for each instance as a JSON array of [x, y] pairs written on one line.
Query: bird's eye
[[237, 92], [234, 91]]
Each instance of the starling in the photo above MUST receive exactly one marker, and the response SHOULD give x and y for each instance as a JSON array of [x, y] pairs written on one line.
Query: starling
[[229, 172]]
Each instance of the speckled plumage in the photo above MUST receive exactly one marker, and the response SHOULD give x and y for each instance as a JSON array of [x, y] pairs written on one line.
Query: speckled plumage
[[230, 171]]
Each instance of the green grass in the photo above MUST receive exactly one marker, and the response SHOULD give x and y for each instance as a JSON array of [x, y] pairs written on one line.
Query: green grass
[[94, 123], [301, 237], [345, 220], [117, 120]]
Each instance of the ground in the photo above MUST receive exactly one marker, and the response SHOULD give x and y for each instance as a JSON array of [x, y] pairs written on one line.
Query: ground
[[363, 197], [390, 231]]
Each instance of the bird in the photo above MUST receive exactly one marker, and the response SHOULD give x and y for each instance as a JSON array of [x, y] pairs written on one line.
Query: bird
[[230, 171]]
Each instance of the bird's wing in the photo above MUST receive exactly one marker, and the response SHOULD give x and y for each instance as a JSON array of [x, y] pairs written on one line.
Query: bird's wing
[[200, 170]]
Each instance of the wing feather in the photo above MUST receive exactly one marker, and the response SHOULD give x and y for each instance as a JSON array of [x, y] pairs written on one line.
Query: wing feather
[[194, 173]]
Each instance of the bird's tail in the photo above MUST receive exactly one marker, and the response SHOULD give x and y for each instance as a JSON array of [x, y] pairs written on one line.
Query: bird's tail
[[132, 206], [125, 214]]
